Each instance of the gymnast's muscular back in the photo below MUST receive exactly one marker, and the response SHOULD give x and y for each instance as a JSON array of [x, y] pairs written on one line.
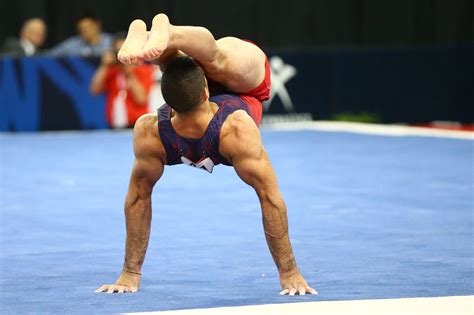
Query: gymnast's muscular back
[[239, 141]]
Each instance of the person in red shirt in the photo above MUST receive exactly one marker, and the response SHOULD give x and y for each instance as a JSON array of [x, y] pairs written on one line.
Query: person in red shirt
[[127, 87]]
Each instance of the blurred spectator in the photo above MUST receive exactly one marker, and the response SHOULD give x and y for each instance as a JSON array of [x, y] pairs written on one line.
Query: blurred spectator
[[32, 36], [91, 41], [155, 100], [127, 87]]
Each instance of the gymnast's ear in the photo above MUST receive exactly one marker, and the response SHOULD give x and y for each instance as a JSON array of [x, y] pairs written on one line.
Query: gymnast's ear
[[206, 94]]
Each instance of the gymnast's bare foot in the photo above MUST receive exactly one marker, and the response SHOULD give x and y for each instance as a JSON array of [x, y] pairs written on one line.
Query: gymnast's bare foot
[[131, 51], [158, 39]]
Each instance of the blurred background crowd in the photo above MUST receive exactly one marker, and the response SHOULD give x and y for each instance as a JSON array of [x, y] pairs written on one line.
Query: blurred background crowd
[[90, 40], [127, 88], [96, 29]]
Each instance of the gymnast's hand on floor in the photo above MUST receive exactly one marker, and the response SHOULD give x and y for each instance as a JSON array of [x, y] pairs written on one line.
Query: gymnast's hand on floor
[[293, 282], [127, 282]]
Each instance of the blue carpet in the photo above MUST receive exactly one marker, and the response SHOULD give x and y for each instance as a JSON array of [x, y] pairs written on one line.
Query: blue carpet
[[370, 217]]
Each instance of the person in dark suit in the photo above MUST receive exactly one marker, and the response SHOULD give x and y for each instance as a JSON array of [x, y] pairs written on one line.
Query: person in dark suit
[[32, 36]]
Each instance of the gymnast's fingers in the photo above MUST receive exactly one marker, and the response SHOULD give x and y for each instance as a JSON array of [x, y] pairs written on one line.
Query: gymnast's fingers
[[102, 288], [301, 291], [311, 290]]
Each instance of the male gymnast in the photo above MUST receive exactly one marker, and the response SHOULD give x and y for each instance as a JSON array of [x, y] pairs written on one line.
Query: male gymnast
[[202, 130]]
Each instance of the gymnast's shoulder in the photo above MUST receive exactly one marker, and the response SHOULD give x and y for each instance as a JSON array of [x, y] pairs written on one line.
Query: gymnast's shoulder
[[146, 136]]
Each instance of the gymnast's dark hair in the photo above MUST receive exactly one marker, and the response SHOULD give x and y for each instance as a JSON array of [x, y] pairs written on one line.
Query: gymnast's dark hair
[[182, 84]]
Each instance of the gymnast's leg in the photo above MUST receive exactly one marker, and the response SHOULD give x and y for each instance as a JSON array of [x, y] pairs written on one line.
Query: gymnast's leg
[[237, 64]]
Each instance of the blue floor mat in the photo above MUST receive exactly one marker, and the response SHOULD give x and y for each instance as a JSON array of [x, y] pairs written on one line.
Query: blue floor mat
[[369, 216]]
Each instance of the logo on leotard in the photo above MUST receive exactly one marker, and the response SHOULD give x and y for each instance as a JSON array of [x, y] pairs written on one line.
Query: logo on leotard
[[205, 164]]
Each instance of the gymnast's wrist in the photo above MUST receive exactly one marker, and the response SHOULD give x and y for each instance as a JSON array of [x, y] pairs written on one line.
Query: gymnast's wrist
[[130, 271], [288, 267]]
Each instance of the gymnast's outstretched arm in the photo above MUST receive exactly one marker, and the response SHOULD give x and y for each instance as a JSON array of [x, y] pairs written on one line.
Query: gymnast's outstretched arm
[[241, 144], [147, 169]]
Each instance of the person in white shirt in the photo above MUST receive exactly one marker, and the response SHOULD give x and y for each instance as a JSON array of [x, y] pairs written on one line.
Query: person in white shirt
[[32, 37]]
